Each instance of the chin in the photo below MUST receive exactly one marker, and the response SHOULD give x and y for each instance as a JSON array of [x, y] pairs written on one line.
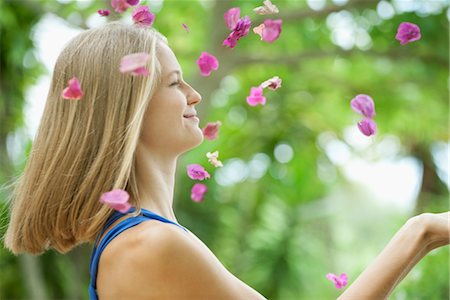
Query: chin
[[194, 142]]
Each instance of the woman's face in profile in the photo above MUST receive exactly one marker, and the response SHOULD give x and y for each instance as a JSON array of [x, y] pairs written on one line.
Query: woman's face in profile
[[165, 129]]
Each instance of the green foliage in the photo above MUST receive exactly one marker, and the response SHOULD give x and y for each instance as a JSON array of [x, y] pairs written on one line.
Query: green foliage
[[283, 232]]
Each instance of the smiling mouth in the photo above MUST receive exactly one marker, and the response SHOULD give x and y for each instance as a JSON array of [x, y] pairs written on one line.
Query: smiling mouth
[[192, 117]]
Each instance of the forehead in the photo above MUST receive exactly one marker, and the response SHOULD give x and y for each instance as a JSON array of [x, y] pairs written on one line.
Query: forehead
[[167, 59]]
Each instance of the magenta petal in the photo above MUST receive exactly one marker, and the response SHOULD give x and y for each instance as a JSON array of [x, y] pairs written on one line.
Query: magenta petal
[[339, 281], [133, 2], [231, 17], [134, 63], [230, 41], [73, 91], [242, 27], [271, 30], [142, 16], [116, 199], [198, 191], [240, 30], [267, 9], [407, 32], [120, 5], [211, 130], [140, 71], [256, 96], [259, 29], [367, 127], [103, 12], [185, 27], [364, 105], [273, 83], [207, 63], [197, 172]]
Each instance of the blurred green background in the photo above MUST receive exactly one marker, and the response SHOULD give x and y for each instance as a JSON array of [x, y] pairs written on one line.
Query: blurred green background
[[302, 192]]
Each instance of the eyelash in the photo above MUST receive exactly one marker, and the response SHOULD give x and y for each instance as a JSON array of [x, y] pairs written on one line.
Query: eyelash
[[175, 83]]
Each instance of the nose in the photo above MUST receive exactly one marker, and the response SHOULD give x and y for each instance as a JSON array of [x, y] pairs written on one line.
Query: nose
[[193, 96]]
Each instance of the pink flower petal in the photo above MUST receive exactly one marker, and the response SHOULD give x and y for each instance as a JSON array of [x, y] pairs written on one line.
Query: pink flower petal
[[207, 63], [339, 281], [116, 199], [103, 12], [213, 159], [407, 33], [198, 191], [273, 83], [256, 96], [240, 30], [230, 41], [142, 16], [231, 17], [134, 64], [133, 2], [364, 105], [367, 127], [120, 5], [185, 27], [73, 91], [272, 30], [211, 130], [197, 172], [267, 9], [259, 29]]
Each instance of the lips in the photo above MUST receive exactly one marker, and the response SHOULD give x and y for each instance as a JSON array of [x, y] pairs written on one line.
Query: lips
[[189, 116]]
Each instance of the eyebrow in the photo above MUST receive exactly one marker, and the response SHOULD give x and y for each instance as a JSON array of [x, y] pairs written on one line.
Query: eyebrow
[[175, 71]]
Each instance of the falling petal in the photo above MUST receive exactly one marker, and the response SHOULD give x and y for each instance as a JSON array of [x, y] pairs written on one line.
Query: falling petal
[[134, 64], [197, 172], [185, 27], [339, 281], [240, 30], [267, 9], [231, 17], [211, 130], [116, 199], [364, 105], [256, 96], [142, 16], [367, 127], [259, 29], [103, 12], [198, 191], [272, 30], [207, 63], [120, 5], [73, 91], [273, 83], [407, 33], [212, 158]]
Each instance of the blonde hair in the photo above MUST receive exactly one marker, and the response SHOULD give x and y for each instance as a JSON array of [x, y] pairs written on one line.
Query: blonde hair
[[85, 147]]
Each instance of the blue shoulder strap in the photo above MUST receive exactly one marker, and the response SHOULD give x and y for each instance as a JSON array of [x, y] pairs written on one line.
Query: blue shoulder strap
[[115, 231]]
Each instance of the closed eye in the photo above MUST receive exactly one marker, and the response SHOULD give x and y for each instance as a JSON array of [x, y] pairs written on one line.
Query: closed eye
[[175, 83]]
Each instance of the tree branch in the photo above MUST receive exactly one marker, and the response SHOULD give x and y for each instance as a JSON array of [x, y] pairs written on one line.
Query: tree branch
[[299, 57], [301, 14]]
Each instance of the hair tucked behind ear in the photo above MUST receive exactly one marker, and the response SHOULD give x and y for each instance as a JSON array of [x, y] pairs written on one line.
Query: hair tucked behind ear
[[85, 147]]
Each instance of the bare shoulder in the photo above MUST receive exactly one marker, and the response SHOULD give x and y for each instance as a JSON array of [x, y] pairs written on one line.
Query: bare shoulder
[[156, 260]]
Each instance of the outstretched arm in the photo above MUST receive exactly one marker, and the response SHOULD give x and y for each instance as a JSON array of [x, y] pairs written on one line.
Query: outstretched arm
[[410, 244]]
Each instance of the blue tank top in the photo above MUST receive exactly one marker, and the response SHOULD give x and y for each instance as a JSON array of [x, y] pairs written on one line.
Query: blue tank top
[[112, 233]]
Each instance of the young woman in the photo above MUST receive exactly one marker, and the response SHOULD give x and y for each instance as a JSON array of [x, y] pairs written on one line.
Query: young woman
[[127, 132]]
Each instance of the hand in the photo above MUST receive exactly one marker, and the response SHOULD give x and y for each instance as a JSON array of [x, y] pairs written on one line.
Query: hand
[[437, 229]]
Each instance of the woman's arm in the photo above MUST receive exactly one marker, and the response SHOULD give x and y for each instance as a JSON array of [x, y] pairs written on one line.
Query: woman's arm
[[410, 244]]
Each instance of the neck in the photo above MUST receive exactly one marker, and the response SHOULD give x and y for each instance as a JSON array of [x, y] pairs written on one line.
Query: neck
[[155, 176]]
